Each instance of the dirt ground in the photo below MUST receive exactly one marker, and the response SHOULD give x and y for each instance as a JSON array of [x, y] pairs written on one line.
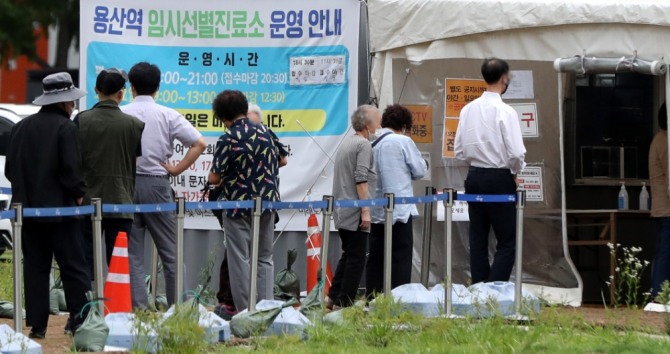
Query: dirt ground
[[57, 342]]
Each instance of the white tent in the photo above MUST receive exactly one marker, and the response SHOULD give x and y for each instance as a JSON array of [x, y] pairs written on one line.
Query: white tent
[[417, 43]]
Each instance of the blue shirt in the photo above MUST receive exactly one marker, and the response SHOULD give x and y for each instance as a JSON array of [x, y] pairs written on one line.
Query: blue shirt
[[246, 159], [397, 162]]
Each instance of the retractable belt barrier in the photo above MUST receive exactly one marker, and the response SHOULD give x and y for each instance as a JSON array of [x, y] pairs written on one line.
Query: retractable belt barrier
[[96, 210]]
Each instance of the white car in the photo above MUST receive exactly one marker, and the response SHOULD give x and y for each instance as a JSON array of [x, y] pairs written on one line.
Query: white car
[[7, 120]]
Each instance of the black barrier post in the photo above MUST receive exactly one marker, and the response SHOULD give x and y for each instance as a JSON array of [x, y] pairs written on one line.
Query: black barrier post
[[327, 215], [179, 276], [448, 211], [96, 219], [154, 271], [388, 241], [253, 274], [17, 254], [520, 204], [427, 236]]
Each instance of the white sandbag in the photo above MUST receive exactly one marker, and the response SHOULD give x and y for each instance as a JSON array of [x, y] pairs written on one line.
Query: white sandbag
[[497, 298], [12, 342], [290, 321], [415, 298], [216, 328], [122, 333], [461, 298]]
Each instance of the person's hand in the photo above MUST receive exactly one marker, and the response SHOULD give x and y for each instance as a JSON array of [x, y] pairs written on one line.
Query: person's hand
[[365, 219], [79, 200], [172, 170]]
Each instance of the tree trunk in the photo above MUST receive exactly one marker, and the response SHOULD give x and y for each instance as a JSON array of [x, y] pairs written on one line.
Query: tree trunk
[[63, 42]]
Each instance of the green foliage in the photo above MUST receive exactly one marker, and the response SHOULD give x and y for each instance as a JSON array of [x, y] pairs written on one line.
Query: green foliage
[[627, 280], [664, 298]]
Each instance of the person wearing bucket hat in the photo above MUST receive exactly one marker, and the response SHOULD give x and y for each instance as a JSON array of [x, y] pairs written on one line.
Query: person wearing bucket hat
[[110, 142], [44, 167], [163, 125]]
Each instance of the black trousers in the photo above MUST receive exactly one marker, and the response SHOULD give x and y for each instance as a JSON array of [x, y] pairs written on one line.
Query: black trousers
[[110, 229], [350, 267], [42, 241], [401, 257], [483, 216], [225, 294]]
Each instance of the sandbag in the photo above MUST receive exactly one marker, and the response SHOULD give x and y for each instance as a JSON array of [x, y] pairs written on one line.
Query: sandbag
[[287, 282], [312, 306], [56, 296], [7, 310], [246, 324], [91, 336]]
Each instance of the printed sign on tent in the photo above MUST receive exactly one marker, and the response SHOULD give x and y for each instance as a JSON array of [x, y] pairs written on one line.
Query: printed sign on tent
[[449, 137], [298, 60], [459, 92], [530, 179], [422, 123], [527, 119]]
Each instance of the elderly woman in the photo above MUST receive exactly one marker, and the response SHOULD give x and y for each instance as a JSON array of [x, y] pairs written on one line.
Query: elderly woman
[[398, 162], [353, 172]]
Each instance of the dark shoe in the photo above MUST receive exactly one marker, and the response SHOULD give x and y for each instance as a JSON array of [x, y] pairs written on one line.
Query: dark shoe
[[68, 327], [226, 312], [37, 333]]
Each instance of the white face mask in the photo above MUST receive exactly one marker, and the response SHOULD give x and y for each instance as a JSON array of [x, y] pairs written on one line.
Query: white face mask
[[372, 136]]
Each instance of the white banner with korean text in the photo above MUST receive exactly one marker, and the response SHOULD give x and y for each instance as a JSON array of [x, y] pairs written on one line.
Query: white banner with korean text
[[297, 59]]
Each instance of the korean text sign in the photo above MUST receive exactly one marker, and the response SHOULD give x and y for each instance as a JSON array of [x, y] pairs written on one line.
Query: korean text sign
[[298, 60]]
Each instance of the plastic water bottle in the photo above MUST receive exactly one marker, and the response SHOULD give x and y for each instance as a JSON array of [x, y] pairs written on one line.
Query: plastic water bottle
[[623, 197], [644, 197]]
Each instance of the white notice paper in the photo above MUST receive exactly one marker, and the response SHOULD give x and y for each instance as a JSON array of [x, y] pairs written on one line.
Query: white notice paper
[[530, 179], [318, 70], [527, 113], [426, 156], [459, 211], [521, 86]]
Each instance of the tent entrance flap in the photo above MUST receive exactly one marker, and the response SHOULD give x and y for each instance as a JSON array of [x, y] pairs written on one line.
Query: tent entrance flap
[[582, 64]]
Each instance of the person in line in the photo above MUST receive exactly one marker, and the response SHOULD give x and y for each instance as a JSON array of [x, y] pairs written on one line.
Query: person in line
[[111, 143], [44, 167], [398, 162], [245, 165], [660, 202], [489, 140], [152, 184], [354, 172], [226, 308]]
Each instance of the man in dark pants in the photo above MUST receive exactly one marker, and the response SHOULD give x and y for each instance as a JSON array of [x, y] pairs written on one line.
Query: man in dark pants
[[489, 139], [44, 166], [110, 141]]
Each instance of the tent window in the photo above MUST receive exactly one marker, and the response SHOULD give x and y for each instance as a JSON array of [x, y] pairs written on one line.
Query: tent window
[[613, 126]]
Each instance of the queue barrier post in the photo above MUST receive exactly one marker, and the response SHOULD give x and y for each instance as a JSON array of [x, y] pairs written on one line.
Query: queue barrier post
[[427, 237], [327, 216], [253, 274], [154, 271], [388, 241], [520, 204], [17, 254], [448, 213], [96, 219], [179, 276]]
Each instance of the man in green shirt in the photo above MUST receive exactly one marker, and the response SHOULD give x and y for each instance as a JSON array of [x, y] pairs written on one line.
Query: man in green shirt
[[110, 142]]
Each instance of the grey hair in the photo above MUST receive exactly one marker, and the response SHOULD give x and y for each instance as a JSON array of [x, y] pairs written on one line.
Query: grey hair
[[361, 117], [255, 108]]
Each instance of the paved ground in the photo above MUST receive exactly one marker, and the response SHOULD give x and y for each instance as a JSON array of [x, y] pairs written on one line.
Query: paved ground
[[57, 342]]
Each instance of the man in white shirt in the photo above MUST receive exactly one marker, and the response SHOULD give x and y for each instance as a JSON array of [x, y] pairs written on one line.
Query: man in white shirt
[[152, 184], [489, 139]]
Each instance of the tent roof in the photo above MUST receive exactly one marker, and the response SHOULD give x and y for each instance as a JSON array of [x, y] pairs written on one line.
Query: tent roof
[[400, 23]]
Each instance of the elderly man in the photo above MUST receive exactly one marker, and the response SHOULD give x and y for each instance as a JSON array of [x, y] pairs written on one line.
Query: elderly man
[[111, 141], [163, 125], [44, 166], [354, 172], [246, 166]]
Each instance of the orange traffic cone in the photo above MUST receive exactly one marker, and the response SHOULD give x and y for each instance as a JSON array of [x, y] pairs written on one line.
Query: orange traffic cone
[[117, 287], [314, 255]]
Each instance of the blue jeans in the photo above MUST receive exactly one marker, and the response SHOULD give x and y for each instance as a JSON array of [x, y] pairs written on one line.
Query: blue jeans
[[660, 269]]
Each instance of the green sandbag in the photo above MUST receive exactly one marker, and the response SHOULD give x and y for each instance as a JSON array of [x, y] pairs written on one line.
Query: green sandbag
[[312, 306], [287, 282], [247, 324], [54, 296], [92, 335], [7, 310]]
